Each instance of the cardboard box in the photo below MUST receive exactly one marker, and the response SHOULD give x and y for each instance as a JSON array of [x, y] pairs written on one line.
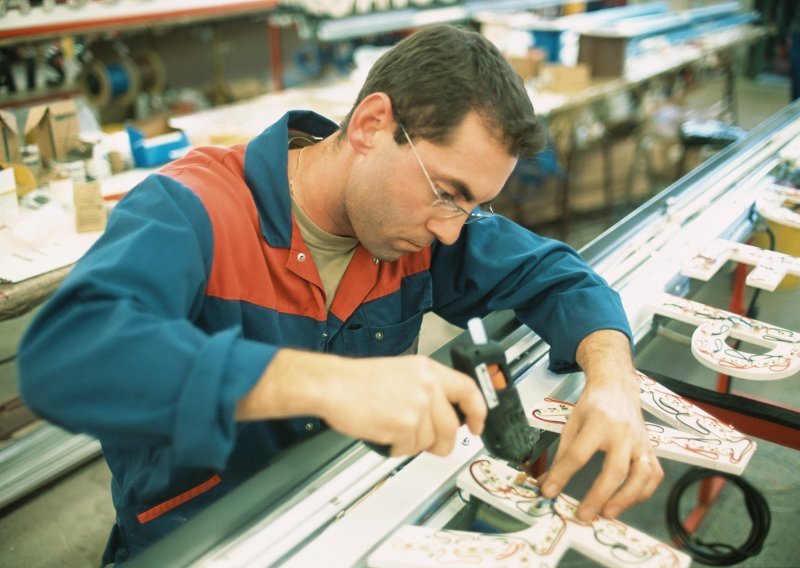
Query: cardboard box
[[54, 129], [154, 142], [9, 138], [605, 56], [528, 66], [245, 89], [90, 212], [565, 79]]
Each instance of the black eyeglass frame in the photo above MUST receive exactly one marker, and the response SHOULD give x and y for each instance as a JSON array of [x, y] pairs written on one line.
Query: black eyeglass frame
[[444, 200]]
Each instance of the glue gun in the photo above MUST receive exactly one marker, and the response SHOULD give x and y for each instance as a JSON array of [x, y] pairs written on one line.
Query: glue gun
[[506, 433]]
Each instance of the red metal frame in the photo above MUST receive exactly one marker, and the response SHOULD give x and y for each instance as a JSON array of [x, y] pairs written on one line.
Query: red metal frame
[[275, 55], [119, 22], [736, 305], [710, 488], [752, 426]]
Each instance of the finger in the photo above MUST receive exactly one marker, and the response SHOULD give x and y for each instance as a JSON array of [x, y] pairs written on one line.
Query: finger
[[570, 457], [632, 491], [569, 432], [565, 441], [402, 446], [414, 442], [462, 390], [426, 433], [412, 430], [615, 470], [445, 423], [401, 449], [656, 477]]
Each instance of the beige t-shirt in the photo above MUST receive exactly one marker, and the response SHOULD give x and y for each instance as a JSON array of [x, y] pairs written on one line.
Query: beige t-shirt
[[331, 253]]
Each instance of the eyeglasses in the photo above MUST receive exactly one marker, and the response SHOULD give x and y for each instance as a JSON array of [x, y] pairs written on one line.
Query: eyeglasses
[[444, 201]]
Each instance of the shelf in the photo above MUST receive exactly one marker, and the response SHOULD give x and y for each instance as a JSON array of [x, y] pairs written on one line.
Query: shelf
[[38, 96], [337, 29], [100, 17]]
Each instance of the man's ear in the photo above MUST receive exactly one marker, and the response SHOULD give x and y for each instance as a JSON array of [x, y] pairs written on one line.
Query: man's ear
[[372, 117]]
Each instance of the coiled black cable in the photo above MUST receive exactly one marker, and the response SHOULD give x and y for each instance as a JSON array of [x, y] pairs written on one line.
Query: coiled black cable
[[717, 553]]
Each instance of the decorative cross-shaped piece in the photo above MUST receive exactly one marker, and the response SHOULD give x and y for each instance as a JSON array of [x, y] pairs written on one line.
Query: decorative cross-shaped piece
[[715, 326], [770, 267], [771, 204], [692, 436], [553, 529]]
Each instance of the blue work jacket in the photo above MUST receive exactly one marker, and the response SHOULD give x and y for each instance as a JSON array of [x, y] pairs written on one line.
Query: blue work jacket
[[201, 276]]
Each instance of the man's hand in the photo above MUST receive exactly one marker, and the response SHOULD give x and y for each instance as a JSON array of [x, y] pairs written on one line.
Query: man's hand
[[403, 402], [406, 403], [607, 418]]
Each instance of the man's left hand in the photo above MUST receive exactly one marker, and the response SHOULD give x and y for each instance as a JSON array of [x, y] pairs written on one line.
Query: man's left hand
[[606, 418]]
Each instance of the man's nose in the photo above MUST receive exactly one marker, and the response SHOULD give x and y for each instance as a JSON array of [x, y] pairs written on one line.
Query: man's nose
[[447, 229]]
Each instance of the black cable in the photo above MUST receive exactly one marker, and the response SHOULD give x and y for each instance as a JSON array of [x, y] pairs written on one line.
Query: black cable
[[718, 553], [771, 236], [8, 359]]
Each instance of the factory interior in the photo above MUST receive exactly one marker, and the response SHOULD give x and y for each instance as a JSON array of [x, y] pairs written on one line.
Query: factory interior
[[669, 159]]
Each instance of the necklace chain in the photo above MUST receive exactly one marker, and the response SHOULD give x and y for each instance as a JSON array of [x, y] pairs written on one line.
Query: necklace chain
[[296, 169]]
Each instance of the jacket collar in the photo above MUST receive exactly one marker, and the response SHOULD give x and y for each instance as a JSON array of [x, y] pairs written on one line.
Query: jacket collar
[[265, 166]]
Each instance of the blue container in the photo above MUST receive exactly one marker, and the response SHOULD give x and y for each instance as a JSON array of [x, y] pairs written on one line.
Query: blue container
[[156, 150], [548, 41]]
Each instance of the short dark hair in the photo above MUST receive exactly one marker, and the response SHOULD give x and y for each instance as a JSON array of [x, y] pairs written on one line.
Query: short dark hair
[[436, 76]]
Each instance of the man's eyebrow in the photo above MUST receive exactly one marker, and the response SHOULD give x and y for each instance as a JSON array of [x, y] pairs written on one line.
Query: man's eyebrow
[[461, 188]]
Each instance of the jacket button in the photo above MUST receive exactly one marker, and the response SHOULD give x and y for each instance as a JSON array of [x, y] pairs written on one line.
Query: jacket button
[[324, 335], [375, 260], [379, 335], [301, 256], [309, 426]]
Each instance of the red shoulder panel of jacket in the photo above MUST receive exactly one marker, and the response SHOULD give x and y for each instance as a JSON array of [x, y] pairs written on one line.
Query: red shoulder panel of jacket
[[245, 267]]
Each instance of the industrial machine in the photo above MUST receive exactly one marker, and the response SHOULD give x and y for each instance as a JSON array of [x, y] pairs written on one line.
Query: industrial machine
[[332, 501]]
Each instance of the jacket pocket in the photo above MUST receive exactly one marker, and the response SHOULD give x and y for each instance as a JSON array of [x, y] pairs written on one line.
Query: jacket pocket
[[363, 340], [166, 506]]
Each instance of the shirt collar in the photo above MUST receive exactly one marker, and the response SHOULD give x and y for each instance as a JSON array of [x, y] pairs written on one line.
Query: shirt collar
[[265, 166]]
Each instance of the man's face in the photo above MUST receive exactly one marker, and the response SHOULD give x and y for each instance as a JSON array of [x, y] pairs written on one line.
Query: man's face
[[390, 203]]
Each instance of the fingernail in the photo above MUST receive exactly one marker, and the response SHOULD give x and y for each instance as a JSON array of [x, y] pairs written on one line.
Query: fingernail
[[550, 490]]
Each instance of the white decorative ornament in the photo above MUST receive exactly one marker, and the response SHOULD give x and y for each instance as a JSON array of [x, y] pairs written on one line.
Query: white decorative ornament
[[715, 326], [770, 267], [691, 436], [771, 204], [553, 529]]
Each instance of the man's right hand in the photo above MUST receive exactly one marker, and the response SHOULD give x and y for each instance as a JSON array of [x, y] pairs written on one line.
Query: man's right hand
[[404, 402]]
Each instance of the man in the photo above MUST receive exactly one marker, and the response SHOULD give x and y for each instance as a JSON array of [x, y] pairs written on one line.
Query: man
[[241, 297]]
